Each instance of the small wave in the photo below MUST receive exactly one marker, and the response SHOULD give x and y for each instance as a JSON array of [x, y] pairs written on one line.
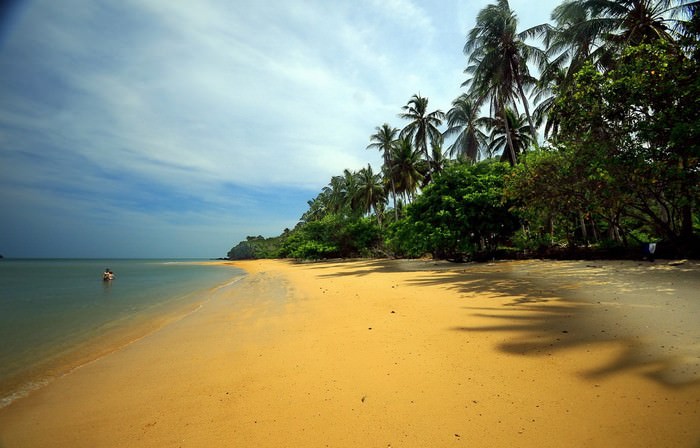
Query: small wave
[[22, 392], [229, 283]]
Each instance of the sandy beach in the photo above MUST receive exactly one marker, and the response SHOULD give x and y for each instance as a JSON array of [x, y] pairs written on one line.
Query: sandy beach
[[393, 353]]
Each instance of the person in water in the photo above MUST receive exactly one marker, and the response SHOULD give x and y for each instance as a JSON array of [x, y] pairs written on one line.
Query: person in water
[[107, 275]]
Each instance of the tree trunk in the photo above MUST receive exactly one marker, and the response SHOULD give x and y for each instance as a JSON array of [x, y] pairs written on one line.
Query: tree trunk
[[584, 230], [509, 138], [687, 207], [533, 130], [393, 196]]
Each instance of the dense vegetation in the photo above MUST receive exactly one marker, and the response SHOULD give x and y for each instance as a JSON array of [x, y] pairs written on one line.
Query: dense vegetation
[[606, 160]]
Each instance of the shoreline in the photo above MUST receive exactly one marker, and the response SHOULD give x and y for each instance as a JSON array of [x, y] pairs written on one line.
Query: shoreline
[[110, 338], [392, 352]]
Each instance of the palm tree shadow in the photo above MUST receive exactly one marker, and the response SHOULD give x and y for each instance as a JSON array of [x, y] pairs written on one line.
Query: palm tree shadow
[[359, 268], [551, 307]]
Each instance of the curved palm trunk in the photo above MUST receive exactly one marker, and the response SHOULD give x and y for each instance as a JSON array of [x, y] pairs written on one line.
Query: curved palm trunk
[[426, 153], [388, 163], [533, 132], [393, 198], [509, 137], [523, 99]]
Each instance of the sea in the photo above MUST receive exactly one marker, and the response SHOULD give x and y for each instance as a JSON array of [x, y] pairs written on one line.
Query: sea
[[57, 314]]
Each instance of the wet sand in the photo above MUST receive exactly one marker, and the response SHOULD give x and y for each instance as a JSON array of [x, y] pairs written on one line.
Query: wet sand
[[399, 353]]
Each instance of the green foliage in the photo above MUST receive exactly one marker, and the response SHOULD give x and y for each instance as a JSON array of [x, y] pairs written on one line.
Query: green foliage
[[530, 242], [639, 124], [564, 196], [257, 247], [363, 237], [242, 251], [460, 215], [313, 250], [333, 236]]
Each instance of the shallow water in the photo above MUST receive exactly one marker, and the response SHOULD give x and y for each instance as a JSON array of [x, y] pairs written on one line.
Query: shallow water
[[51, 308]]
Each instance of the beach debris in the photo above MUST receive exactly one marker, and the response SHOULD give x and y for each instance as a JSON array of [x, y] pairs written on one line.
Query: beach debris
[[364, 397], [677, 262]]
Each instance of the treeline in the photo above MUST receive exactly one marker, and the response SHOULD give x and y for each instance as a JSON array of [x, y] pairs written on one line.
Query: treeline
[[617, 102]]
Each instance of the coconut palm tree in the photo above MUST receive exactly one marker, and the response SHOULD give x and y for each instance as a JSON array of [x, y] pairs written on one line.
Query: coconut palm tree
[[369, 193], [519, 131], [423, 125], [349, 191], [497, 57], [405, 162], [598, 30], [690, 29], [340, 193], [318, 208], [383, 139], [437, 158], [545, 100], [568, 46], [333, 194], [464, 122], [632, 22], [574, 38]]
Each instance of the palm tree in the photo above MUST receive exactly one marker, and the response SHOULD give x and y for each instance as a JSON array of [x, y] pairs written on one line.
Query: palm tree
[[437, 158], [333, 194], [349, 191], [516, 130], [573, 40], [598, 30], [383, 140], [405, 161], [631, 22], [318, 208], [690, 29], [552, 80], [423, 125], [568, 46], [498, 58], [463, 120], [340, 193], [370, 192]]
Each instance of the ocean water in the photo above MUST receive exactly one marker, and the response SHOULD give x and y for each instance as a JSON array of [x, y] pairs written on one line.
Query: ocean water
[[52, 310]]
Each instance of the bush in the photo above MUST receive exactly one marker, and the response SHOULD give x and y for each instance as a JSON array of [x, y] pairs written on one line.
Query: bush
[[255, 247], [314, 250], [333, 236], [530, 242], [459, 216]]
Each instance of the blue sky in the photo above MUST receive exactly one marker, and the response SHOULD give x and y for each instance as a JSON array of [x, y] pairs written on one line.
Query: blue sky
[[166, 128]]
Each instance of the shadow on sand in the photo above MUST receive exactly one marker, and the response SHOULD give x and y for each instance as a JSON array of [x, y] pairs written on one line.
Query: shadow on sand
[[649, 311]]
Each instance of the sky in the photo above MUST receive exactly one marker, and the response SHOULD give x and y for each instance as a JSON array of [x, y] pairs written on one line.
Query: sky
[[176, 128]]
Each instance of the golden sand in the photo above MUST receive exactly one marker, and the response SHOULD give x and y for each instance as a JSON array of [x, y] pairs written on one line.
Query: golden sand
[[396, 353]]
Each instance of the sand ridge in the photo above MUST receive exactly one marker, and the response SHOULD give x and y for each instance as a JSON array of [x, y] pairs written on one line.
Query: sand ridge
[[397, 353]]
